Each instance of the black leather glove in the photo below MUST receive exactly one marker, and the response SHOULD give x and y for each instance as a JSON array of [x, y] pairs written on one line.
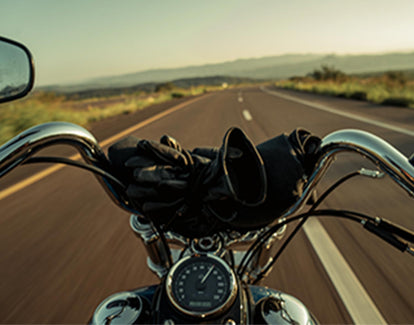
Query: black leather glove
[[200, 193], [288, 160]]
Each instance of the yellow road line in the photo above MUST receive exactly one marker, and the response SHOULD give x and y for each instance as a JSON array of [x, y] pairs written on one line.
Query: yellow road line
[[37, 177]]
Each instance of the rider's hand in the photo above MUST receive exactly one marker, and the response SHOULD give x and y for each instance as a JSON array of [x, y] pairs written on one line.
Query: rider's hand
[[168, 181]]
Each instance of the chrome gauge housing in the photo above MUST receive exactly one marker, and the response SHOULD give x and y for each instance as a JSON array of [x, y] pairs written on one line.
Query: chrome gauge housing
[[201, 286]]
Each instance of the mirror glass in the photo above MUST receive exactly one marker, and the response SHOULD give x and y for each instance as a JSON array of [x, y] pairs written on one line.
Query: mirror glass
[[15, 71]]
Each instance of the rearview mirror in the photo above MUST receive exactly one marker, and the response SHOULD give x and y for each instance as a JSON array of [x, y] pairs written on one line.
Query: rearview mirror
[[16, 70]]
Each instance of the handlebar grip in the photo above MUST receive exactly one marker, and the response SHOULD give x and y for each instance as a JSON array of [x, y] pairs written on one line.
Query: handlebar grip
[[397, 230], [389, 238]]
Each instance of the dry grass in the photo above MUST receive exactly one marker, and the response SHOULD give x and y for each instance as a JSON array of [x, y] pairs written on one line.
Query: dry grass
[[42, 107], [386, 89]]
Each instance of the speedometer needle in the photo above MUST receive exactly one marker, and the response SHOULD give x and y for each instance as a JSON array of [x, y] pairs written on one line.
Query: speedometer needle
[[207, 275]]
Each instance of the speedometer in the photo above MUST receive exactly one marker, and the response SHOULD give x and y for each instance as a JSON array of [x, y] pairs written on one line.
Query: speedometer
[[201, 285]]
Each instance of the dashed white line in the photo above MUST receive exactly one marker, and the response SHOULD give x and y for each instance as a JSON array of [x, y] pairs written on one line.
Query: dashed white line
[[247, 115], [240, 97]]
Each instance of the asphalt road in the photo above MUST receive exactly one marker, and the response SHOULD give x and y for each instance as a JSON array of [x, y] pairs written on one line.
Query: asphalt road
[[64, 246]]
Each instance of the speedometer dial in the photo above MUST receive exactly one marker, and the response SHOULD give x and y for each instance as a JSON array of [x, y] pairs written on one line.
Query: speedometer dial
[[201, 285]]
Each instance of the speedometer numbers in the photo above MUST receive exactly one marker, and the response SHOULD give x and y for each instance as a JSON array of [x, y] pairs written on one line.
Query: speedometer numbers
[[201, 286]]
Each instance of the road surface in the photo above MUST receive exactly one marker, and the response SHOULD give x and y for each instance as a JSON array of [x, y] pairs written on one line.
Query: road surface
[[64, 246]]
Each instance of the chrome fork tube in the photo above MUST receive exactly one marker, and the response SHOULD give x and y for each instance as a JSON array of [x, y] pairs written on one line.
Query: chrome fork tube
[[159, 256]]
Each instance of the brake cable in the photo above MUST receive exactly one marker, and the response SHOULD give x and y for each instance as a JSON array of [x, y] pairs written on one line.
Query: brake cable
[[257, 244], [350, 215], [66, 161]]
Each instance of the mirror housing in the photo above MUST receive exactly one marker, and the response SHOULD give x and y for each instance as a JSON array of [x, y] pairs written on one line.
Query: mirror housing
[[16, 70]]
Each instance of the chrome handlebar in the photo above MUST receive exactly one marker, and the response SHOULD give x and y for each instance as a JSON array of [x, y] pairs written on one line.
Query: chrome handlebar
[[26, 144], [385, 156], [21, 147]]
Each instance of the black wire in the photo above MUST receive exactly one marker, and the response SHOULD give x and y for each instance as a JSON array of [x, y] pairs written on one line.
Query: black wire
[[302, 222], [346, 214], [256, 246], [66, 161], [350, 215], [333, 213]]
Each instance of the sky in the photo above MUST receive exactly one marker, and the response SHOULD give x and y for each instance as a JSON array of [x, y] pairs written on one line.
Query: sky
[[75, 40]]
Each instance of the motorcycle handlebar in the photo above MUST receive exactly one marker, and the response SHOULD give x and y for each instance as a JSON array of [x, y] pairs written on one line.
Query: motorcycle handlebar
[[16, 151], [387, 158], [381, 153]]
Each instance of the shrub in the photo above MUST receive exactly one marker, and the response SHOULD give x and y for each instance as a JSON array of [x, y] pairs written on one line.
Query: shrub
[[396, 77], [359, 95], [166, 86], [327, 73], [397, 101], [177, 95]]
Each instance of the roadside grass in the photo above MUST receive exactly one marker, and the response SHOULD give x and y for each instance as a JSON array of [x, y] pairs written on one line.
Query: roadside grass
[[379, 90], [42, 107]]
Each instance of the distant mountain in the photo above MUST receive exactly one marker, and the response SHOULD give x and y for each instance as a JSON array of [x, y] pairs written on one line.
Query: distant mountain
[[350, 64], [274, 67], [239, 68]]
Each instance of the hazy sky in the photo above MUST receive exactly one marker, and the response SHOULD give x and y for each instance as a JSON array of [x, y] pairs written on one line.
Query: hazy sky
[[73, 40]]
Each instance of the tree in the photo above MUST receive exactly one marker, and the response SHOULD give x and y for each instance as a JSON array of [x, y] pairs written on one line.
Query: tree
[[166, 86], [327, 73]]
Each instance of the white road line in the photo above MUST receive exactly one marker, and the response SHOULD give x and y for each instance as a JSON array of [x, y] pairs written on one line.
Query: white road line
[[356, 300], [356, 117], [240, 97], [247, 115]]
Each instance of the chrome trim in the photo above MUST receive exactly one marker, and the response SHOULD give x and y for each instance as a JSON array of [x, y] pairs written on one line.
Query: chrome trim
[[371, 173], [27, 143], [218, 310], [281, 314], [216, 246], [234, 238], [291, 307], [174, 238], [206, 243], [380, 152], [119, 308]]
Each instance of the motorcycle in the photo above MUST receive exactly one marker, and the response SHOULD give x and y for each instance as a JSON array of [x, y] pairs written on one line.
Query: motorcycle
[[208, 276]]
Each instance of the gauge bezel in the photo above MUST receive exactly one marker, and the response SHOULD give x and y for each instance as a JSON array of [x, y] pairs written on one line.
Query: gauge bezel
[[232, 292]]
